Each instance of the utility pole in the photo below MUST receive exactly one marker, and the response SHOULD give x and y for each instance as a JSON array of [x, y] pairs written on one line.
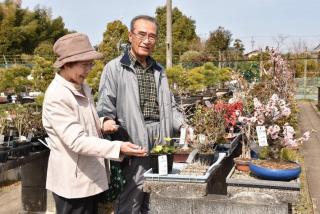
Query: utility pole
[[252, 43], [169, 35]]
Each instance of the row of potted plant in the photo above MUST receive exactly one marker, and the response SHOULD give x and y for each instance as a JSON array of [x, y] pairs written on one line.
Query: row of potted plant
[[20, 127]]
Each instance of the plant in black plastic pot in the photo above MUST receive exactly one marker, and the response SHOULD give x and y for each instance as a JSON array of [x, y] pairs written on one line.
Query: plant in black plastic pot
[[162, 149], [3, 125]]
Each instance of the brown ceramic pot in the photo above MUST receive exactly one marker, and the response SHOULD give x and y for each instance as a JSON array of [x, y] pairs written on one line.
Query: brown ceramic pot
[[242, 164]]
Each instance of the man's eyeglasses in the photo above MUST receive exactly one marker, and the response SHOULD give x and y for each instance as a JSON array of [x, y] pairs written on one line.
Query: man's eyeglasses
[[143, 36]]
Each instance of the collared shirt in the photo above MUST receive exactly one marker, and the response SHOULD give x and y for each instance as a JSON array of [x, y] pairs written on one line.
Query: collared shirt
[[147, 88]]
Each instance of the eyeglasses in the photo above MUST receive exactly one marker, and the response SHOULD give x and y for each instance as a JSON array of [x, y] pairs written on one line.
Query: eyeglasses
[[143, 36], [86, 64]]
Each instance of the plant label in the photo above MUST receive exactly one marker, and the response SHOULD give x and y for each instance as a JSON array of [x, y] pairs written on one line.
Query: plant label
[[191, 133], [183, 133], [1, 139], [262, 135], [29, 137], [163, 165], [202, 138], [208, 103]]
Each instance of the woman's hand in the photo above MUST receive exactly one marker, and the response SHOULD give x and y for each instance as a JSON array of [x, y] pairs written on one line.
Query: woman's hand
[[109, 126], [130, 149]]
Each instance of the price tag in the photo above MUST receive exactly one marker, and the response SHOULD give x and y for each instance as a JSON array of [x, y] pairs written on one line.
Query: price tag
[[29, 137], [1, 139], [191, 133], [262, 135], [202, 138], [183, 133], [208, 103], [163, 165]]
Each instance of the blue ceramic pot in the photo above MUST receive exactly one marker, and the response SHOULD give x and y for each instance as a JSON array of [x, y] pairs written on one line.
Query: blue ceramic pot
[[275, 174]]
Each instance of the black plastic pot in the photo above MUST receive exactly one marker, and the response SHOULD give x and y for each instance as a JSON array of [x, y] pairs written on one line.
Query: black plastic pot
[[37, 146], [20, 150], [4, 154], [154, 162]]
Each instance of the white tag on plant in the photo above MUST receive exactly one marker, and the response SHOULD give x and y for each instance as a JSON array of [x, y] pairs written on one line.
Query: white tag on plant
[[191, 133], [29, 137], [208, 103], [202, 138], [1, 139], [262, 135], [183, 133], [163, 165]]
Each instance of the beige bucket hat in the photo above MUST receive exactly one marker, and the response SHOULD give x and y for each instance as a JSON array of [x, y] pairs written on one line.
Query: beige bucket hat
[[72, 48]]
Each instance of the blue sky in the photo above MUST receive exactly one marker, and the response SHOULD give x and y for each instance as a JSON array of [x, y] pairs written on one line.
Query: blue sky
[[261, 21]]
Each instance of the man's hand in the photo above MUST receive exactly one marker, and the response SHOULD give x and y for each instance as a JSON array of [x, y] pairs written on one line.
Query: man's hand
[[128, 148], [109, 126]]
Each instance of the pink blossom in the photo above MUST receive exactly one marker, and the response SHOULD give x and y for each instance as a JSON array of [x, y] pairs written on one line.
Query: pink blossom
[[290, 142], [286, 112], [273, 131]]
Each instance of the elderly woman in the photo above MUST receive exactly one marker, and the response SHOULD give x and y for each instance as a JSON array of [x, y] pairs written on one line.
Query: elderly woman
[[77, 170]]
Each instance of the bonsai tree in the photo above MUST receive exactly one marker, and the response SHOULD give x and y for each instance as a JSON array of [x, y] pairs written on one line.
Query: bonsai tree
[[209, 127], [20, 120], [273, 116]]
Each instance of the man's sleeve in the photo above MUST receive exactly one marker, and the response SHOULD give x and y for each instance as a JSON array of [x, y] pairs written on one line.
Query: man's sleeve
[[106, 106], [177, 116]]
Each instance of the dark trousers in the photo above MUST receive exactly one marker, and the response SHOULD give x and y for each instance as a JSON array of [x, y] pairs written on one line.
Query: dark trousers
[[88, 205], [132, 200]]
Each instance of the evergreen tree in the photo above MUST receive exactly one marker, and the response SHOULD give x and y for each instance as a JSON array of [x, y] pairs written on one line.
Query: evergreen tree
[[115, 35], [183, 34]]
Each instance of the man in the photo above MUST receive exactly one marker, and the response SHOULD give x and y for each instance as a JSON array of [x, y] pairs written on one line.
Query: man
[[134, 92]]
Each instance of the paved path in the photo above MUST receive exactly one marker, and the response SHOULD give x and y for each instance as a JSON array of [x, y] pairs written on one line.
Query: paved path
[[10, 199], [309, 119]]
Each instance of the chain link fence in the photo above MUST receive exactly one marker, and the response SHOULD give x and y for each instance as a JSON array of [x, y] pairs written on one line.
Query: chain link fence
[[307, 88]]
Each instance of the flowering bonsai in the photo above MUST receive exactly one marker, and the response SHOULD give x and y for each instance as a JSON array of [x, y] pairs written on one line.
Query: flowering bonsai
[[231, 113], [273, 115], [275, 109]]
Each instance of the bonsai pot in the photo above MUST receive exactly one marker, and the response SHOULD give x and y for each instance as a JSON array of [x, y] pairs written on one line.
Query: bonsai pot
[[181, 155], [154, 162], [287, 173], [242, 164], [207, 159]]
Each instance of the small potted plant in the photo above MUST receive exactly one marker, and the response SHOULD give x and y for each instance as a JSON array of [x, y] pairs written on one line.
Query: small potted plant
[[3, 124], [3, 149], [162, 149]]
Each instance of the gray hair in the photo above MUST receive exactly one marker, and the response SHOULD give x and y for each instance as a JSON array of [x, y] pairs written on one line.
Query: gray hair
[[144, 17]]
